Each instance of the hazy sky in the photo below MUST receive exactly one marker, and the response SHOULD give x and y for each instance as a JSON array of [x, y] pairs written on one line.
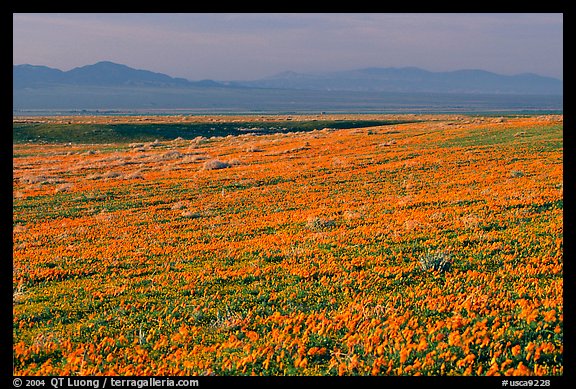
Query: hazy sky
[[254, 45]]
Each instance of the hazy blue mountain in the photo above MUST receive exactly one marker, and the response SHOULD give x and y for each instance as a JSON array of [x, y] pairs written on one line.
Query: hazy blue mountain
[[412, 80], [406, 80], [103, 73], [28, 75], [107, 85]]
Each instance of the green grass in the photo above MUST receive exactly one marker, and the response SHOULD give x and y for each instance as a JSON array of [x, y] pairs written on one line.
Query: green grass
[[547, 138], [108, 133]]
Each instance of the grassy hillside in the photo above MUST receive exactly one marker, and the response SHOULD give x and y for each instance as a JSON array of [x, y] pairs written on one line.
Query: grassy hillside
[[428, 248]]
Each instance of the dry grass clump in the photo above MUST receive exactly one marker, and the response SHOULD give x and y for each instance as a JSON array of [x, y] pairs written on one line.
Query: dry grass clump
[[194, 158], [29, 179], [228, 320], [190, 214], [156, 143], [470, 221], [352, 215], [94, 176], [40, 179], [63, 188], [178, 205], [295, 150], [137, 175], [19, 228], [253, 149], [316, 223], [412, 225], [199, 140], [215, 164], [169, 155], [405, 200], [111, 174], [18, 294], [435, 262], [389, 143], [339, 162]]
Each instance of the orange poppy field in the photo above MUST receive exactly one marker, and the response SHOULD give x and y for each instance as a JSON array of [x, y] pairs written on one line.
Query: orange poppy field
[[425, 248]]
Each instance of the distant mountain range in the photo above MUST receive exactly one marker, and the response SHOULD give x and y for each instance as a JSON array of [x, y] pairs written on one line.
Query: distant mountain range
[[111, 85], [413, 80], [406, 79]]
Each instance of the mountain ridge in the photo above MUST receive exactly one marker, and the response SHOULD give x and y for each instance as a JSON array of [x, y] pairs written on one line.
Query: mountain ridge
[[413, 80], [103, 73], [407, 79], [107, 85]]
